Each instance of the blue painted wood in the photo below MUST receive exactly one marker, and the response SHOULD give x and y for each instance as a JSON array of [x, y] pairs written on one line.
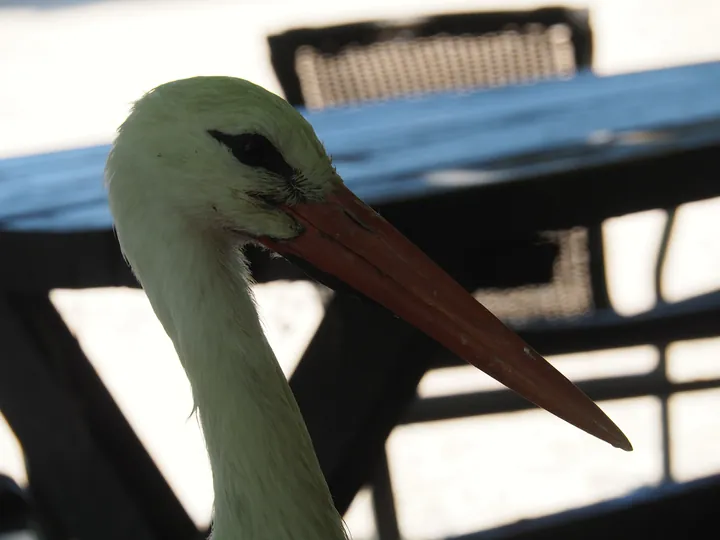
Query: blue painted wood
[[421, 146]]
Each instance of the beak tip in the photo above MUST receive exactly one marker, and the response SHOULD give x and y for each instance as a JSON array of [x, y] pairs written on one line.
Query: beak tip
[[625, 444], [617, 438]]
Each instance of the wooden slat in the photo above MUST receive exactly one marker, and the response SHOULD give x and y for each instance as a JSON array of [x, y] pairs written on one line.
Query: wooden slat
[[45, 261], [110, 432], [37, 262], [70, 474]]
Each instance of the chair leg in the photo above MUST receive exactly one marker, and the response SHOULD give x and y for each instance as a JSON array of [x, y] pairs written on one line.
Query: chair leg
[[384, 502], [665, 419], [661, 259], [598, 279]]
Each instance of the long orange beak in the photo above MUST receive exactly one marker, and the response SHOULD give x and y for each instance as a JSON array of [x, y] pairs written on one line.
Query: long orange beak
[[347, 239]]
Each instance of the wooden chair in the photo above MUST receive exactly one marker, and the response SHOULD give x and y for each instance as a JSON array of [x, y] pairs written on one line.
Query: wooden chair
[[353, 63], [360, 62]]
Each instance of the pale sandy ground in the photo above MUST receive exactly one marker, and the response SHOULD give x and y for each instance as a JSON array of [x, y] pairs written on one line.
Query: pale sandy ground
[[69, 71]]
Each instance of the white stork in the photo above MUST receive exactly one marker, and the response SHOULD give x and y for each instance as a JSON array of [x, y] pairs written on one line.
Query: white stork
[[205, 166]]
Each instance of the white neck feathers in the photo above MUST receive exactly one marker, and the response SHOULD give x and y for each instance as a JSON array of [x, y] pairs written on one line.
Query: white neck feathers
[[267, 480]]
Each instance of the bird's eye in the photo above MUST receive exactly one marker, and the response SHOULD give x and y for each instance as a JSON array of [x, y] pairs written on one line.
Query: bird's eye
[[255, 150], [250, 147]]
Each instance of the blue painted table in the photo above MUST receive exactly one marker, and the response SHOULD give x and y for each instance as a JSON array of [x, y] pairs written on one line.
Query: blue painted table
[[421, 147], [493, 166]]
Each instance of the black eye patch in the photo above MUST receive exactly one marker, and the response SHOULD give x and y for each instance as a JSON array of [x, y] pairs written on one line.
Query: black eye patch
[[255, 150]]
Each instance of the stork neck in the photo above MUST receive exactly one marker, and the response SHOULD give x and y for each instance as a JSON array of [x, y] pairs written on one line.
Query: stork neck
[[267, 480]]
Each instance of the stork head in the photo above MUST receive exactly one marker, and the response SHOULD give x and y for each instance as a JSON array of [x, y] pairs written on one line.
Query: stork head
[[222, 152], [230, 157]]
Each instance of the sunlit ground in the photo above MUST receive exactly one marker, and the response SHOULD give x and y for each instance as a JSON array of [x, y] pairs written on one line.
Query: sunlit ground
[[69, 74]]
